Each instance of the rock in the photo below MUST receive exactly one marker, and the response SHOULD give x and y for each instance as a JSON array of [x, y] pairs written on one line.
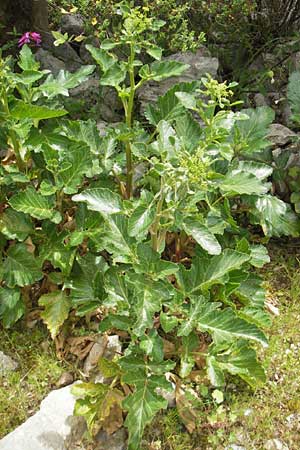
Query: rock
[[260, 100], [248, 412], [275, 444], [49, 61], [113, 348], [280, 135], [65, 379], [293, 421], [87, 92], [167, 395], [72, 24], [110, 108], [106, 347], [95, 354], [84, 53], [101, 126], [68, 55], [7, 364], [53, 427], [115, 441], [103, 100], [200, 64], [170, 396]]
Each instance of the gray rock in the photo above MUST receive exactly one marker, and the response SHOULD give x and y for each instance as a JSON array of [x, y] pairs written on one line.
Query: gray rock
[[106, 347], [84, 53], [68, 55], [87, 92], [113, 347], [53, 427], [65, 379], [260, 100], [95, 354], [72, 24], [103, 100], [115, 441], [109, 106], [275, 444], [7, 364], [200, 64], [49, 61], [280, 135], [293, 421], [102, 125], [170, 396], [167, 395]]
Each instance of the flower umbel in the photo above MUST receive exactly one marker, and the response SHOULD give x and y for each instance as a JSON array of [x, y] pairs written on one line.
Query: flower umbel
[[30, 37]]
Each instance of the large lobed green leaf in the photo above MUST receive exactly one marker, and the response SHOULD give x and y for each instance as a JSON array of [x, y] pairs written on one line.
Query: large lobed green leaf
[[20, 268], [22, 110], [205, 273], [224, 325], [240, 360], [250, 135], [168, 106], [35, 204], [64, 81], [166, 69], [12, 306], [202, 236], [100, 199], [275, 216], [15, 225]]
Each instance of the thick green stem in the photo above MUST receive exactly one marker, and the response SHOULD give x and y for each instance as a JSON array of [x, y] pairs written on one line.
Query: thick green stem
[[59, 201], [155, 241], [128, 111], [16, 147]]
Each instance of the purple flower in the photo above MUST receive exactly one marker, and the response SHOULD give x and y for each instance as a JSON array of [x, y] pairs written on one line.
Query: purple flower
[[30, 36], [36, 37]]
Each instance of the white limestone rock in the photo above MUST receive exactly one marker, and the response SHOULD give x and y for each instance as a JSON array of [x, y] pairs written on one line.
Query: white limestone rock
[[53, 427]]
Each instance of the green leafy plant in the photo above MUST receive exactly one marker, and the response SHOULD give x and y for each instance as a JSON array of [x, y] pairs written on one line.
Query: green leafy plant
[[144, 228]]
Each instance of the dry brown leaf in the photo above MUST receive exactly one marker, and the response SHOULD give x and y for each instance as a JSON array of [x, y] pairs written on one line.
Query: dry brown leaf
[[197, 376], [169, 348], [126, 389], [200, 360], [80, 346], [9, 157], [186, 407], [33, 317], [115, 419], [60, 346]]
